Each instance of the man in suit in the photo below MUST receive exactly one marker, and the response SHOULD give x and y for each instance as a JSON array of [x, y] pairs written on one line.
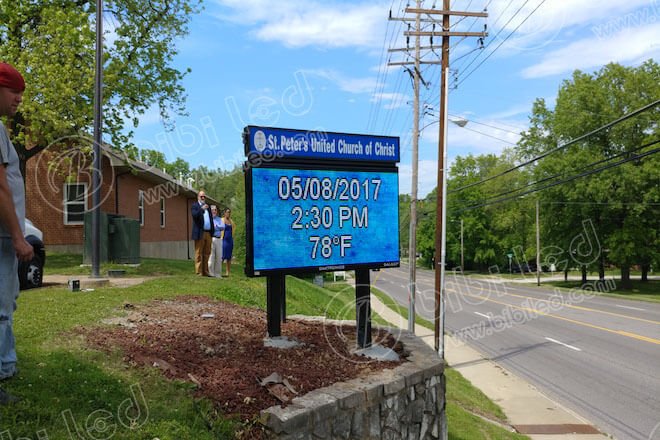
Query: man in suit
[[202, 234]]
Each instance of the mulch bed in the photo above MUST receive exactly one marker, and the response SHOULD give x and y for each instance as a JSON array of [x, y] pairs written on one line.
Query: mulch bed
[[219, 346]]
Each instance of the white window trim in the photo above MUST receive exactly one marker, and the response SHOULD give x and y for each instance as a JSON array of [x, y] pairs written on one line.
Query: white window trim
[[162, 212], [141, 207], [65, 203]]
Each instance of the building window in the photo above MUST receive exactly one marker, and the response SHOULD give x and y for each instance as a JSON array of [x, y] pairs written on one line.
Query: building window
[[141, 207], [162, 212], [75, 203]]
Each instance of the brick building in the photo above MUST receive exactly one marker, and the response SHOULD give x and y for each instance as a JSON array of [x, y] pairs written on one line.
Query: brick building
[[58, 192]]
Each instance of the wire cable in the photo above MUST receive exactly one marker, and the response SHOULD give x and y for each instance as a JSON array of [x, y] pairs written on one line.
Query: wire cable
[[503, 41], [486, 125], [598, 162], [561, 147], [570, 179], [501, 30], [382, 69]]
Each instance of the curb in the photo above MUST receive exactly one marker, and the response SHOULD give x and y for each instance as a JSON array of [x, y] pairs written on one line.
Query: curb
[[527, 409]]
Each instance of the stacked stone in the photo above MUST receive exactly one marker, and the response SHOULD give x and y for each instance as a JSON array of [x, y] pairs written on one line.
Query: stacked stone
[[406, 402]]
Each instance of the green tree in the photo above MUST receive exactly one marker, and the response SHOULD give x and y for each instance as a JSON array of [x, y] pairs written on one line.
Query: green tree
[[426, 218], [617, 204], [178, 169], [404, 224], [53, 44], [153, 158], [494, 229]]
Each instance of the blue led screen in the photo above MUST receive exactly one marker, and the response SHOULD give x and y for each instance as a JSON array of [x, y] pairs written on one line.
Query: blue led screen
[[323, 219]]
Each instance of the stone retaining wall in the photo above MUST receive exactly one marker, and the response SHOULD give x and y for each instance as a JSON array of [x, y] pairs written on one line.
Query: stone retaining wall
[[406, 402]]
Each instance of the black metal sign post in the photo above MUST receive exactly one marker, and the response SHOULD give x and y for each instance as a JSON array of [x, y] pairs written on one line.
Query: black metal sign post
[[275, 288], [283, 296], [363, 307]]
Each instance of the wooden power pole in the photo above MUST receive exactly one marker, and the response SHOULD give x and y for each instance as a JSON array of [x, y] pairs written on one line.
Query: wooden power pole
[[431, 15], [538, 245]]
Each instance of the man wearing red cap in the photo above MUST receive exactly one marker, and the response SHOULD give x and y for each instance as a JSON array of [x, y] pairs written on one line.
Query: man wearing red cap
[[13, 246]]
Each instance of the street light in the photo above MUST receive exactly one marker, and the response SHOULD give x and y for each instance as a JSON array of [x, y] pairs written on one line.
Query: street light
[[461, 122]]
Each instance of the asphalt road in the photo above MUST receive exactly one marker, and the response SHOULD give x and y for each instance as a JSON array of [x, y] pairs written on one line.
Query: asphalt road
[[598, 356]]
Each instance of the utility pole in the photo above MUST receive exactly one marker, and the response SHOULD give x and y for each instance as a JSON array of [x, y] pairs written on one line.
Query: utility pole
[[98, 138], [417, 78], [412, 242], [440, 228], [462, 267], [538, 246], [412, 245], [441, 193]]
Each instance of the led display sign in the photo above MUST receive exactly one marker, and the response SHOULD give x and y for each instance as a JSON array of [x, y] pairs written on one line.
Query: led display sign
[[308, 219]]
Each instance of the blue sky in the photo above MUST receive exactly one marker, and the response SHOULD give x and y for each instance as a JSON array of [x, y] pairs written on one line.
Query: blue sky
[[322, 65]]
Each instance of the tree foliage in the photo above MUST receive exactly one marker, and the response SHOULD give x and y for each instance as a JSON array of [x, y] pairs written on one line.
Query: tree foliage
[[53, 44], [616, 204], [608, 217]]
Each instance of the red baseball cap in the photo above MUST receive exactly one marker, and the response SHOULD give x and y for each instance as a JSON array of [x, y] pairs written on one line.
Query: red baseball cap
[[10, 77]]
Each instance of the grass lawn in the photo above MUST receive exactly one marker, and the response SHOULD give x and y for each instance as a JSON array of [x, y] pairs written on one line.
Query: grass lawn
[[70, 264], [647, 291], [70, 391]]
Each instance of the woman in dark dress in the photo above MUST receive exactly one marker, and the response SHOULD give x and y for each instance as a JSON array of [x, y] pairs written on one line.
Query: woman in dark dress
[[228, 239]]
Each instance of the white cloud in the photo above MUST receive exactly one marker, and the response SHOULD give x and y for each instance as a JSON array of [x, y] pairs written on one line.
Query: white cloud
[[427, 177], [298, 23], [630, 45], [543, 27], [461, 141], [390, 101], [351, 85], [149, 117], [503, 117]]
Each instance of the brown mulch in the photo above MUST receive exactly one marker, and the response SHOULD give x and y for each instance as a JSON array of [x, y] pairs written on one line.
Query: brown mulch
[[219, 346]]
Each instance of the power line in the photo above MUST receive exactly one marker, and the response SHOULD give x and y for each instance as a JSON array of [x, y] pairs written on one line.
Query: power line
[[488, 135], [382, 68], [503, 41], [480, 132], [462, 18], [468, 53], [501, 30], [561, 147], [469, 29], [397, 99], [545, 179], [569, 179], [487, 125]]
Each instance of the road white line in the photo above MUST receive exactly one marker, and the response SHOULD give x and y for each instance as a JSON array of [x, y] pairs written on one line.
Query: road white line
[[485, 316], [565, 345], [631, 308]]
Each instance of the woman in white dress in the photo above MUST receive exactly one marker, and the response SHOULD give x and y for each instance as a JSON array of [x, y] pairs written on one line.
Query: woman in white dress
[[215, 260]]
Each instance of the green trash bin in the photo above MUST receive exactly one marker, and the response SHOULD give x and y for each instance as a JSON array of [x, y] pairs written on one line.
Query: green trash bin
[[124, 242]]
